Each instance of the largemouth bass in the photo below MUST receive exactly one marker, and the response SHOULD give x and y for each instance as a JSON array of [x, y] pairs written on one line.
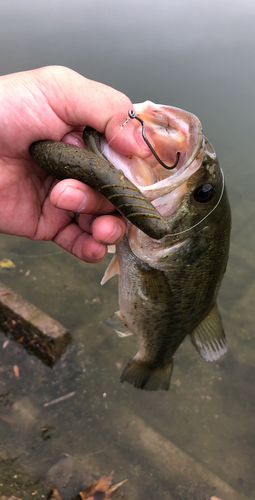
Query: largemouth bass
[[168, 288]]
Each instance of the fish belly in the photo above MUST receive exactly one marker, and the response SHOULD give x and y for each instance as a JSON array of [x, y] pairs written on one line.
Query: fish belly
[[145, 308]]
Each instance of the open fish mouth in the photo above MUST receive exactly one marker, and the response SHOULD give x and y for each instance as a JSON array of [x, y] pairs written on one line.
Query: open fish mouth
[[177, 138], [173, 133], [168, 179]]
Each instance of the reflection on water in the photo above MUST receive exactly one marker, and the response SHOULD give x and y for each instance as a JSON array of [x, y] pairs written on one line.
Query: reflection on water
[[200, 435]]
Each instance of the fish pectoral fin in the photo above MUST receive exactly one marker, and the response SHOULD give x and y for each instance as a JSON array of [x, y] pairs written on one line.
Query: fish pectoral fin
[[209, 338], [153, 286], [117, 323], [142, 376], [112, 269]]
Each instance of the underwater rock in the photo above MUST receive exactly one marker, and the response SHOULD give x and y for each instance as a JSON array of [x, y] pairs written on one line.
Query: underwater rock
[[60, 473], [24, 412]]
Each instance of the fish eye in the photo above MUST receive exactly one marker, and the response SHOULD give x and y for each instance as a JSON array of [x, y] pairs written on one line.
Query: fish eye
[[204, 193]]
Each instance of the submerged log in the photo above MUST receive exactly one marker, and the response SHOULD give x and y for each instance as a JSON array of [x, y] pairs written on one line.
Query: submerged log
[[32, 328]]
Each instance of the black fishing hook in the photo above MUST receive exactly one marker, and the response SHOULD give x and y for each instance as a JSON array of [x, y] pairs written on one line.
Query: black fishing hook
[[132, 115]]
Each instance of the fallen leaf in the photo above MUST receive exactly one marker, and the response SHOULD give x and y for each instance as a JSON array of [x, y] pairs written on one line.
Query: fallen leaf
[[54, 495], [7, 264], [4, 396], [9, 498], [6, 418], [16, 371], [101, 487], [96, 300], [177, 383]]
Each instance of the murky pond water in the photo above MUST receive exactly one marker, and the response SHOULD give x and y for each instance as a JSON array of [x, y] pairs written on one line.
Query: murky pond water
[[198, 439]]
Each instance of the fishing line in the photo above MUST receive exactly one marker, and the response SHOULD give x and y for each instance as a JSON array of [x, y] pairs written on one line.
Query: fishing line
[[218, 202], [120, 129]]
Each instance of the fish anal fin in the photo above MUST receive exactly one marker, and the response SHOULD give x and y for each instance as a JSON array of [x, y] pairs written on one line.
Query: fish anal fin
[[209, 338], [112, 269], [116, 322], [142, 376]]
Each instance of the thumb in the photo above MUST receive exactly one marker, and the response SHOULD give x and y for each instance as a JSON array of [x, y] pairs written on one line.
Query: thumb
[[86, 102]]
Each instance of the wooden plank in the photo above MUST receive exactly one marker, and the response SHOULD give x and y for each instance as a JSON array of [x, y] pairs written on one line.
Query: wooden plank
[[31, 327]]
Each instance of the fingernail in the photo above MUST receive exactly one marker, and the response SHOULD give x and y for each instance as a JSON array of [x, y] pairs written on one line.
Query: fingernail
[[116, 234], [72, 199]]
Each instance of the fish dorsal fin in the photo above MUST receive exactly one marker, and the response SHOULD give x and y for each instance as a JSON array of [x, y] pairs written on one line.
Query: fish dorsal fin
[[116, 322], [209, 337], [112, 269]]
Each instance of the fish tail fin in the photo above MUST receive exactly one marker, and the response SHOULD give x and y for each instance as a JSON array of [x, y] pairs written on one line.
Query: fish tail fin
[[144, 377]]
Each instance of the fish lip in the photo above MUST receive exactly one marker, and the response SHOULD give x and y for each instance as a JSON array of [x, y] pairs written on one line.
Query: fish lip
[[195, 153]]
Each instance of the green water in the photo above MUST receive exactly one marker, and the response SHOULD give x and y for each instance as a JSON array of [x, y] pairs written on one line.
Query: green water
[[198, 56]]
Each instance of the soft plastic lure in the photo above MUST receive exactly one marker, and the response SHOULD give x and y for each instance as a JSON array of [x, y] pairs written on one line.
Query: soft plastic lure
[[65, 161]]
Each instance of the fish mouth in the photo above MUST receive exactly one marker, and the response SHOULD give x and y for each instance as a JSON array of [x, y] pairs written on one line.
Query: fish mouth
[[173, 133]]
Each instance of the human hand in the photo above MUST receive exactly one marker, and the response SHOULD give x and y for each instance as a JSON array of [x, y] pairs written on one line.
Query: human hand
[[56, 103]]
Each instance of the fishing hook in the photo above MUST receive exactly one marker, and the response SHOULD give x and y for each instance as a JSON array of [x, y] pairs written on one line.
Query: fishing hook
[[132, 115]]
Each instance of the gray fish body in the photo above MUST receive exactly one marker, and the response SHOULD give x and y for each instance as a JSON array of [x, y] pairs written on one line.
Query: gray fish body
[[168, 289], [162, 306]]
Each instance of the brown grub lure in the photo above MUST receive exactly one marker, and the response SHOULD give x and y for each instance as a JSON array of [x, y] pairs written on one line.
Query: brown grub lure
[[66, 161]]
